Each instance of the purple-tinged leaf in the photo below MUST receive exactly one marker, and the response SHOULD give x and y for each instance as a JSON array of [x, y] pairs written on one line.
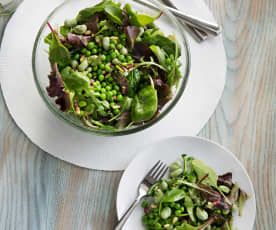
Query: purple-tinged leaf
[[123, 82], [141, 50], [92, 24], [56, 89], [132, 33], [78, 41], [225, 179]]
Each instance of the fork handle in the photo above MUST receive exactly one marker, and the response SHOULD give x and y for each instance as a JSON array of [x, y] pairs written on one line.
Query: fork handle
[[124, 218]]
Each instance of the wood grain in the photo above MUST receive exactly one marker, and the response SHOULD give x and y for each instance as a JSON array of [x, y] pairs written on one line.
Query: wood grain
[[38, 191]]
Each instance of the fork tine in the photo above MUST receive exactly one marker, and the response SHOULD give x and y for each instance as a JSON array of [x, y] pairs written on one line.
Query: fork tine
[[156, 171], [153, 168], [162, 172]]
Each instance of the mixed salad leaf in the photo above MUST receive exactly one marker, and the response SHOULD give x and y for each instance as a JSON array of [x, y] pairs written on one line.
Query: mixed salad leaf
[[111, 66], [193, 198]]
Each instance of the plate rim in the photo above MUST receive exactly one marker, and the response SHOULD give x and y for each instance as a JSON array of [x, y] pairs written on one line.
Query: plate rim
[[229, 152]]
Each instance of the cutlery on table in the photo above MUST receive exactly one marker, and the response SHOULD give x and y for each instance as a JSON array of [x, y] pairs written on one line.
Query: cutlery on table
[[201, 24], [155, 174], [197, 34]]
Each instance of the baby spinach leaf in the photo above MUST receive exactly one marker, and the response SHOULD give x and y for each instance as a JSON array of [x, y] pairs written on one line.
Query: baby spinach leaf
[[86, 14], [133, 78], [57, 52], [202, 169], [144, 105], [75, 80], [139, 19], [64, 31], [173, 195], [48, 39], [114, 13], [160, 54], [186, 226], [163, 42]]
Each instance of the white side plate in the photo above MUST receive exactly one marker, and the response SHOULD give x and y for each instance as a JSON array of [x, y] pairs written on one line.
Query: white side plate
[[169, 150]]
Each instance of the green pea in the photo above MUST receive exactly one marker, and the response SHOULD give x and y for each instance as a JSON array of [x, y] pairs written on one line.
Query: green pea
[[112, 46], [103, 96], [103, 84], [165, 213], [103, 90], [177, 206], [129, 58], [116, 111], [117, 88], [112, 104], [108, 58], [99, 72], [89, 75], [113, 41], [95, 68], [103, 57], [83, 50], [158, 226], [178, 212], [121, 57], [102, 66], [119, 46], [224, 189], [144, 204], [114, 92], [77, 57], [87, 53], [201, 214], [91, 45], [82, 103], [113, 55], [108, 88], [120, 97], [107, 68], [94, 51], [101, 77]]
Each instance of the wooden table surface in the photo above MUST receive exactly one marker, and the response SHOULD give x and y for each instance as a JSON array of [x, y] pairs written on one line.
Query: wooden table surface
[[38, 191]]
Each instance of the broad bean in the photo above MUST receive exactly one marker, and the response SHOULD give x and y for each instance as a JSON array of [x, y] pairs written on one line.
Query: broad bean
[[201, 214], [80, 29], [166, 213]]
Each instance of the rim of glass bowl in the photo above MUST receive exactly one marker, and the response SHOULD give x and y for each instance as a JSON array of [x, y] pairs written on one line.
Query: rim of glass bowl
[[103, 132]]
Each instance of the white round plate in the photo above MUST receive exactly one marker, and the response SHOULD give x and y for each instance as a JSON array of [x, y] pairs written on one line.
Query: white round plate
[[169, 150], [197, 104]]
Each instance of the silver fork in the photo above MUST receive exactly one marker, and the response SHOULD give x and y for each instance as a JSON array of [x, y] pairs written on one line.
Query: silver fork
[[154, 175]]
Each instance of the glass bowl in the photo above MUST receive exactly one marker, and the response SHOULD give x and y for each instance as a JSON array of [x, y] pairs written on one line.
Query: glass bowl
[[69, 9]]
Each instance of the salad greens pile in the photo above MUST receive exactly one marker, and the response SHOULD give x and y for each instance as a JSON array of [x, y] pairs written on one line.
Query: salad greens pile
[[112, 67], [193, 198]]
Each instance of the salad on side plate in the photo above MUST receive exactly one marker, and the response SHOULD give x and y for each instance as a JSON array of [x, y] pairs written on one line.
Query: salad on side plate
[[112, 67], [193, 198]]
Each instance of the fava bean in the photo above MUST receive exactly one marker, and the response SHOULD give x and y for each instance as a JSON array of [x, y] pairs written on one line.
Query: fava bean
[[166, 213], [106, 43], [80, 29], [201, 214]]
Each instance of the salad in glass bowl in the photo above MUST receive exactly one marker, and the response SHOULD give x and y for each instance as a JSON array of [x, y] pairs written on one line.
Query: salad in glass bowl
[[112, 68]]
